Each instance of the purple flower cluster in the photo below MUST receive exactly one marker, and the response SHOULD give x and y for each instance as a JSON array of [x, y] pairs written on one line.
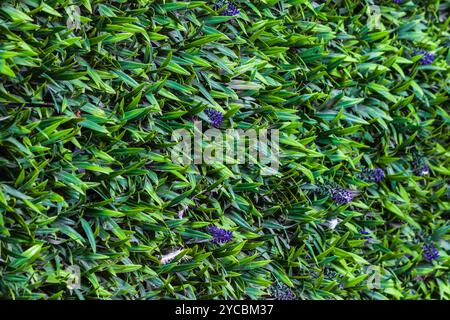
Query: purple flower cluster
[[220, 235], [430, 252], [282, 292], [231, 10], [335, 192], [341, 195], [377, 174], [373, 175], [398, 1], [427, 57], [215, 116]]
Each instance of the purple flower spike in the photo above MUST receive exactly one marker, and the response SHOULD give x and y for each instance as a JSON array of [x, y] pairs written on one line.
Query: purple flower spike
[[231, 10], [342, 196], [215, 116], [375, 175], [282, 292], [372, 175], [220, 235], [378, 175], [430, 252], [427, 57]]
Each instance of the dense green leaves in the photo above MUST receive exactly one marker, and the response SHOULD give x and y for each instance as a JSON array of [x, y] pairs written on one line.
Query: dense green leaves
[[90, 94]]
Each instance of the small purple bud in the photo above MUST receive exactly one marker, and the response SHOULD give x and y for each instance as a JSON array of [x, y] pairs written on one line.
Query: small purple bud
[[282, 292], [373, 175], [424, 171], [430, 252], [427, 57], [215, 116], [341, 195], [220, 235], [231, 10]]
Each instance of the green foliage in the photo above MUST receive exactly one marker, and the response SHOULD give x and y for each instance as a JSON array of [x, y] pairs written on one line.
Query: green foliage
[[88, 104]]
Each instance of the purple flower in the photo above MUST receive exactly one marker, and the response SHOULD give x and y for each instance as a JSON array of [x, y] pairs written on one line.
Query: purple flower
[[366, 236], [427, 57], [430, 252], [341, 195], [282, 292], [373, 175], [231, 10], [220, 235], [215, 116], [377, 174], [424, 170], [398, 1]]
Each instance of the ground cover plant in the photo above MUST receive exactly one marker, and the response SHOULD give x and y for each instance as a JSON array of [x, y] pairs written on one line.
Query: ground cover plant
[[92, 90]]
